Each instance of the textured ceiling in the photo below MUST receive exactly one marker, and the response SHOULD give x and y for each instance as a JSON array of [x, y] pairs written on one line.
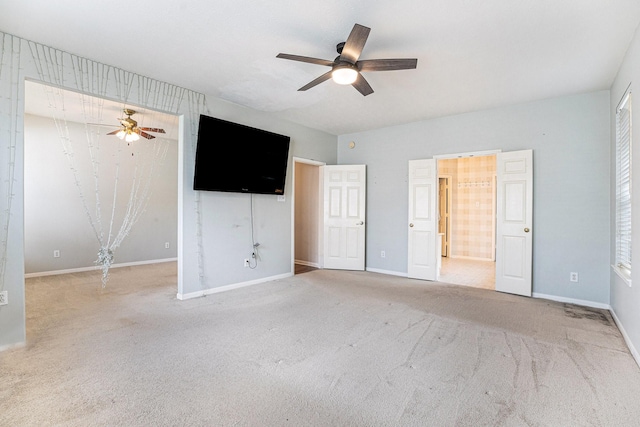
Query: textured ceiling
[[472, 55]]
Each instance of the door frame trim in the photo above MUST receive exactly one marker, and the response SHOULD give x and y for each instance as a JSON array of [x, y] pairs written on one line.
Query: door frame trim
[[467, 154], [449, 179]]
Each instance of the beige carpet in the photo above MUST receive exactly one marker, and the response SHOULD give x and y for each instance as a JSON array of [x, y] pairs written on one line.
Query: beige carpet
[[323, 348]]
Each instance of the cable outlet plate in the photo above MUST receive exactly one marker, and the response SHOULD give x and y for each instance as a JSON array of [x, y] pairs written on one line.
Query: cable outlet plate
[[4, 297]]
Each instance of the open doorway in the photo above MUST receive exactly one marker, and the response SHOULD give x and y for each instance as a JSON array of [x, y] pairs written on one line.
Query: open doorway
[[70, 171], [329, 216], [467, 220], [307, 229]]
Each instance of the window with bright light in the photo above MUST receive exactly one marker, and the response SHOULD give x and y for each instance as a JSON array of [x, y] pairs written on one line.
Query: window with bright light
[[623, 188]]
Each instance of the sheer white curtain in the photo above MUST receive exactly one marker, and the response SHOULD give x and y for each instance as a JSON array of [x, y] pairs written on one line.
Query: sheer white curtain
[[92, 83]]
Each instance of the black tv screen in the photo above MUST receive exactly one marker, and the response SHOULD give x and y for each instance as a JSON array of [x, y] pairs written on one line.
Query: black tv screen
[[241, 159]]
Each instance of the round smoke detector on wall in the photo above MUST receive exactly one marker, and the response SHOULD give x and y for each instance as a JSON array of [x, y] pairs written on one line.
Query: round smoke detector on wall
[[352, 144]]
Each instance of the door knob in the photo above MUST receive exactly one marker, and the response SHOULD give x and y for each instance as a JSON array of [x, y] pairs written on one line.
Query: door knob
[[360, 223], [526, 230], [411, 225]]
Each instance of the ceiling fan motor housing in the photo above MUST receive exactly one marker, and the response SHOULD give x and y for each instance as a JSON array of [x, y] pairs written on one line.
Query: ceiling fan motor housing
[[130, 130]]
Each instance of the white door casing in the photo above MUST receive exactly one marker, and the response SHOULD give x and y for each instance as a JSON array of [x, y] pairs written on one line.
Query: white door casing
[[344, 216], [514, 231], [444, 209], [423, 220]]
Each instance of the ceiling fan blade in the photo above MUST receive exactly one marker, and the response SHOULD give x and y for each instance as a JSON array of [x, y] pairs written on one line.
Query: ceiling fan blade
[[326, 76], [145, 135], [157, 130], [114, 132], [305, 59], [362, 85], [387, 64], [355, 43]]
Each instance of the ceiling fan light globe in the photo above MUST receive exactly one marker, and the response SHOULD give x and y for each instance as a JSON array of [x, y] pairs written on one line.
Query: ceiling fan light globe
[[135, 136], [121, 134], [344, 75], [129, 137]]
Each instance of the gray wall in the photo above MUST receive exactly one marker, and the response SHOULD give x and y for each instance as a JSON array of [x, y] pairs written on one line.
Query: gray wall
[[55, 218], [226, 217], [570, 141], [625, 300]]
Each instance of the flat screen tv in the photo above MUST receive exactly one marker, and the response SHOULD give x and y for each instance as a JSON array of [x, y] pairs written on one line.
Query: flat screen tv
[[236, 158]]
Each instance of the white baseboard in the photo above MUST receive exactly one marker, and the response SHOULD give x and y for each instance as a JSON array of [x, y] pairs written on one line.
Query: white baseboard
[[585, 303], [392, 273], [627, 340], [230, 287], [12, 346], [82, 269], [306, 263]]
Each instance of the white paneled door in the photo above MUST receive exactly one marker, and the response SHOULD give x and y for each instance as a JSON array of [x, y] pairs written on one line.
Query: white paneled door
[[514, 222], [344, 216], [423, 220]]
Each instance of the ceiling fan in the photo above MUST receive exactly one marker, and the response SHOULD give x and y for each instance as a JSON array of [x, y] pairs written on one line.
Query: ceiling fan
[[347, 67], [130, 131]]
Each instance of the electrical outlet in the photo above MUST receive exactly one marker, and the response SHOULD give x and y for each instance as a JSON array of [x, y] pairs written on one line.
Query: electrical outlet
[[4, 297], [56, 253], [573, 276], [166, 245], [382, 254], [246, 262]]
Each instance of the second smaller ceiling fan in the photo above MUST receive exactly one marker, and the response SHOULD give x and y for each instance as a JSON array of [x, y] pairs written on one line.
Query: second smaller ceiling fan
[[130, 131]]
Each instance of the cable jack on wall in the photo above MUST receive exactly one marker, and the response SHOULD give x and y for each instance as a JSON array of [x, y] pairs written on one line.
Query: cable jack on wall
[[253, 263]]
